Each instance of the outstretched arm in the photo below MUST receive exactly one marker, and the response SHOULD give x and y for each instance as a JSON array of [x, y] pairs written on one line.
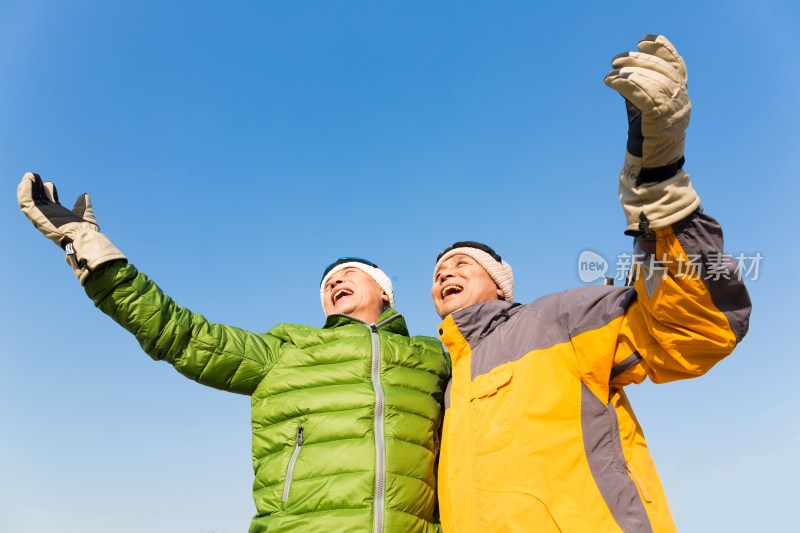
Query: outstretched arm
[[219, 356], [692, 307], [223, 357]]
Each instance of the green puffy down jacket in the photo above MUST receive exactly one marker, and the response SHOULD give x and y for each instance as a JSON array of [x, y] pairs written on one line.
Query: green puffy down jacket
[[345, 418]]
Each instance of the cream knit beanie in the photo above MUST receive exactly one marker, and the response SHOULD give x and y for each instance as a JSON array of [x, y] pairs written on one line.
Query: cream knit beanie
[[493, 264]]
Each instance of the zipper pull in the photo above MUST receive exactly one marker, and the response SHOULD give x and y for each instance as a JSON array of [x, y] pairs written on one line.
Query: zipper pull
[[638, 481], [299, 438]]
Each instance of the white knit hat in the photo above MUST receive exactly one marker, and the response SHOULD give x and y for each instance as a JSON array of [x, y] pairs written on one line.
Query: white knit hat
[[493, 264], [368, 267]]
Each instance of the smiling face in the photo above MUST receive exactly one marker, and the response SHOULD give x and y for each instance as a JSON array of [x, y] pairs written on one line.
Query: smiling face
[[352, 292], [461, 281]]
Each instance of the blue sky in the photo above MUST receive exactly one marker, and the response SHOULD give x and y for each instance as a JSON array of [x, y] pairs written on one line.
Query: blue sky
[[232, 151]]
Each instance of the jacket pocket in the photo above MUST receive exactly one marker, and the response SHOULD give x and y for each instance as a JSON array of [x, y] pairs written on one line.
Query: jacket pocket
[[290, 468], [491, 406]]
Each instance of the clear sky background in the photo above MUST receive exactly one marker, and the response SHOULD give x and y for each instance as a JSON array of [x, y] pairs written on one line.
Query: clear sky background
[[232, 150]]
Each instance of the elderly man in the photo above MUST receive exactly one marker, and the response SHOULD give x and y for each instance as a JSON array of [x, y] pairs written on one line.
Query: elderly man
[[538, 433], [345, 418]]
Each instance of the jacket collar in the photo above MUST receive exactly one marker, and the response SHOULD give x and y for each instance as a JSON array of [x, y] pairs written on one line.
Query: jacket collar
[[390, 320], [477, 321]]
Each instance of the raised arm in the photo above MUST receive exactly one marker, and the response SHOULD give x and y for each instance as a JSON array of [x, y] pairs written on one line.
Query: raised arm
[[219, 356], [692, 307]]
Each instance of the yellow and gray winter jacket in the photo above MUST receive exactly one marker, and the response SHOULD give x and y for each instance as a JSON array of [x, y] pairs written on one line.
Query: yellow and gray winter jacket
[[538, 433], [345, 417]]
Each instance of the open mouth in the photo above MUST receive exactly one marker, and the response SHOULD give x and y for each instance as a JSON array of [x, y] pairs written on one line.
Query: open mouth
[[450, 290], [341, 293]]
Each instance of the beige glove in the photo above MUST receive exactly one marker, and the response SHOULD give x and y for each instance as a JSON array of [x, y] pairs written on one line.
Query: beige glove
[[654, 190], [75, 231]]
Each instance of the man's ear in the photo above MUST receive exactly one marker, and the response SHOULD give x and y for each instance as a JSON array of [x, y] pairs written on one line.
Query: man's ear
[[385, 298], [500, 294]]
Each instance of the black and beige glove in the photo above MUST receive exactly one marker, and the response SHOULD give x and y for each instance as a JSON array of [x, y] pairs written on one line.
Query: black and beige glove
[[654, 189], [75, 231]]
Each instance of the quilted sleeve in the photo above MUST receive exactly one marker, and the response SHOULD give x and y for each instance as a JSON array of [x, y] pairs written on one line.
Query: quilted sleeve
[[216, 355]]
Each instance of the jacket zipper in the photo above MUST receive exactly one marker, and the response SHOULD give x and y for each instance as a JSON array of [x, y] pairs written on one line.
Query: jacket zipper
[[298, 443], [378, 423], [380, 437]]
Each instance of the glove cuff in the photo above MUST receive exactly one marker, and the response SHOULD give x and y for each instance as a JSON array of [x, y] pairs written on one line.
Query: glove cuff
[[91, 249], [650, 206]]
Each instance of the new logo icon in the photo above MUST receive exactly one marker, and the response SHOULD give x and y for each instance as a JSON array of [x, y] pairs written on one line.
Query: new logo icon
[[591, 266]]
